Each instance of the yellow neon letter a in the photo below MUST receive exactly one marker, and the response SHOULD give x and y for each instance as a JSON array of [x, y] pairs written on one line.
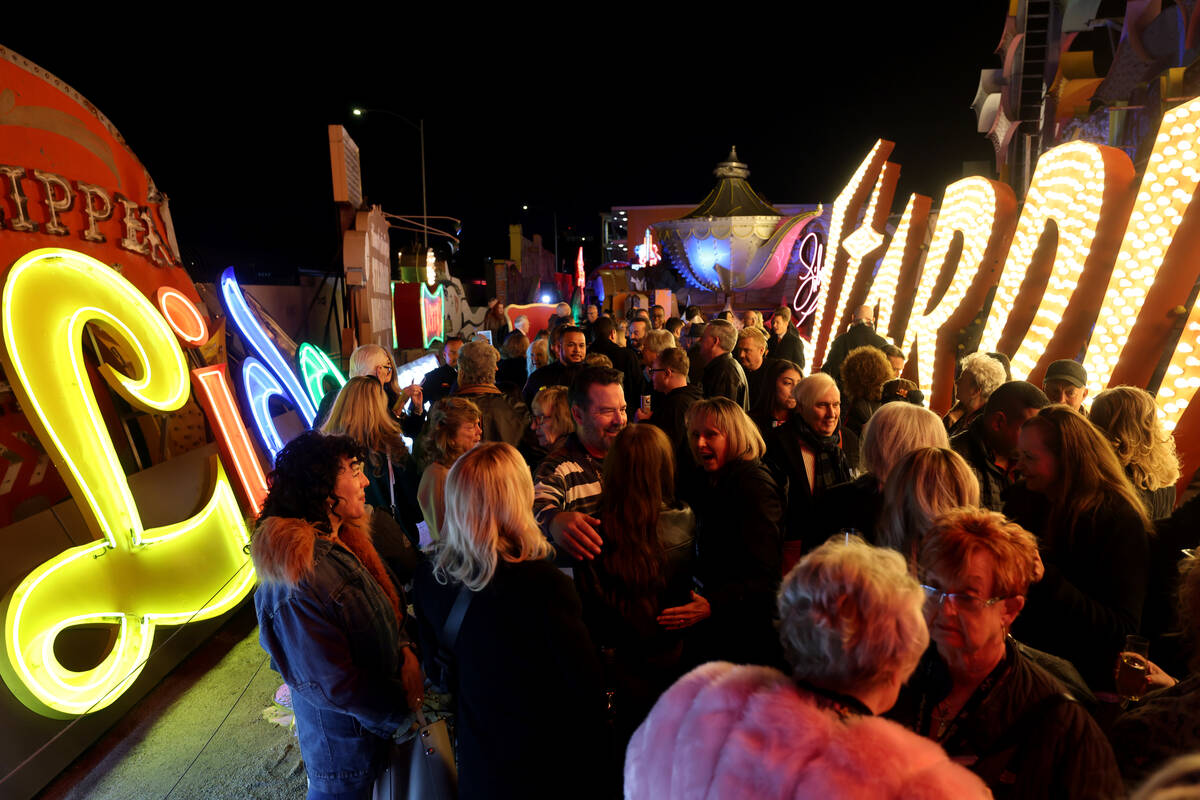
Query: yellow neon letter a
[[130, 577]]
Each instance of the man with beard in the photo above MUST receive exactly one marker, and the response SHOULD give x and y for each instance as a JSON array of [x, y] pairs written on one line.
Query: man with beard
[[658, 317], [638, 327], [810, 452], [567, 484], [723, 377], [751, 353], [571, 350]]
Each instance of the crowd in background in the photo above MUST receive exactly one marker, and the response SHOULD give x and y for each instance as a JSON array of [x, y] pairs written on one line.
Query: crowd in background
[[657, 554]]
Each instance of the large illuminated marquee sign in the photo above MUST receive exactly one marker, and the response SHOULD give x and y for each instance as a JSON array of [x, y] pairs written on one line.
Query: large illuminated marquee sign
[[131, 577], [1091, 265]]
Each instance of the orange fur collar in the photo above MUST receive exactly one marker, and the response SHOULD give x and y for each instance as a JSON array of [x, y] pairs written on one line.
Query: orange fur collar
[[282, 550]]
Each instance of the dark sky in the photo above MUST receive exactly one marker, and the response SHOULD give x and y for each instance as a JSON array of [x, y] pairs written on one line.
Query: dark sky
[[612, 108]]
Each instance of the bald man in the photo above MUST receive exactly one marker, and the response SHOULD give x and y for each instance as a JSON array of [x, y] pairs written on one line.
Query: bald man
[[860, 333]]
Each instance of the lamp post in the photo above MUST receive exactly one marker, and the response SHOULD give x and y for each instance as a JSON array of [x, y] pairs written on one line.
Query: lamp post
[[420, 126]]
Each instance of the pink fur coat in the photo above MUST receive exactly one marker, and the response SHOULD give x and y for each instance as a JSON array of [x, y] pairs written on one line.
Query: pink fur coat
[[726, 731]]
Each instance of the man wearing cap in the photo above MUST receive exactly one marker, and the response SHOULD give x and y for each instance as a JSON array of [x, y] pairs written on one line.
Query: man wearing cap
[[1066, 382]]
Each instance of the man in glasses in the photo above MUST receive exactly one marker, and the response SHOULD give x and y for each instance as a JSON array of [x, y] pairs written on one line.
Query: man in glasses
[[984, 697]]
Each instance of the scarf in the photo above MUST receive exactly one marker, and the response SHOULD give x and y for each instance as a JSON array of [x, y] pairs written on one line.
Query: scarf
[[831, 466]]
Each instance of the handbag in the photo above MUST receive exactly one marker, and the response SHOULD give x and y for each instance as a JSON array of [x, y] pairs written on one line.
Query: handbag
[[421, 766]]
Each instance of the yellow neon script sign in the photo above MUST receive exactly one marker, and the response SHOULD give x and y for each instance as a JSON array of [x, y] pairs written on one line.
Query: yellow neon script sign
[[131, 577]]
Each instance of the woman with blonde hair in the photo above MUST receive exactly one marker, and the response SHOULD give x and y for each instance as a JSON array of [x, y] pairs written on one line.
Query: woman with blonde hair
[[375, 361], [552, 420], [925, 484], [538, 354], [453, 429], [1092, 529], [1128, 416], [491, 603], [853, 631], [739, 537], [361, 412], [894, 431]]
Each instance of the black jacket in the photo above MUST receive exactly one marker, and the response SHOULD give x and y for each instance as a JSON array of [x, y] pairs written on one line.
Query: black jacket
[[553, 374], [724, 377], [1025, 736], [739, 558], [522, 638], [624, 362], [756, 384], [439, 382], [857, 336], [1092, 593], [786, 460], [787, 347]]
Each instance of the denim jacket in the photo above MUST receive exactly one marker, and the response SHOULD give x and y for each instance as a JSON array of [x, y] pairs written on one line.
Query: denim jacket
[[329, 616]]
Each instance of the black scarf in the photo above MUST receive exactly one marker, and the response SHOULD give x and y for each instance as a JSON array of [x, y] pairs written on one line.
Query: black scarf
[[831, 466]]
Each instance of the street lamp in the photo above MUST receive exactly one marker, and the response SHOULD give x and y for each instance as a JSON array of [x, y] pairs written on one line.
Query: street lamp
[[420, 126]]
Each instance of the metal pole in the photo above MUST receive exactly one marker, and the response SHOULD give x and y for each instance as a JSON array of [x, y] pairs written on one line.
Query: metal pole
[[424, 206]]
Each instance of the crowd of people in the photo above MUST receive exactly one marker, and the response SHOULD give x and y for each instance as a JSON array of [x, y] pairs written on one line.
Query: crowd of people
[[658, 554]]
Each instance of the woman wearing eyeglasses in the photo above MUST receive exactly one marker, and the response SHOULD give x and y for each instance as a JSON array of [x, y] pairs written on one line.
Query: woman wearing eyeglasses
[[980, 694]]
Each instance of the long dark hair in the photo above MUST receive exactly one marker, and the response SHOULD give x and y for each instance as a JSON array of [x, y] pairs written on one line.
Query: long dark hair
[[1090, 476], [764, 403], [639, 479]]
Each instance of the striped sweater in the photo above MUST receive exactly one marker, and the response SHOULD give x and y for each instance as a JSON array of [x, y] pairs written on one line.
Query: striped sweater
[[567, 480]]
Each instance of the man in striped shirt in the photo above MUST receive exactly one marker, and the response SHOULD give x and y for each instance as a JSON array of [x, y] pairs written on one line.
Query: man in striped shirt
[[568, 483]]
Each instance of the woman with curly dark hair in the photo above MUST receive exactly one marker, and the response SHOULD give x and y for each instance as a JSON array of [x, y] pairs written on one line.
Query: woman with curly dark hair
[[330, 616], [864, 372], [644, 567]]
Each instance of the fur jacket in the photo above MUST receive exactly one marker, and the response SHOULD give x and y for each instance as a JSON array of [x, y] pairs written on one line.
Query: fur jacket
[[283, 553], [726, 731]]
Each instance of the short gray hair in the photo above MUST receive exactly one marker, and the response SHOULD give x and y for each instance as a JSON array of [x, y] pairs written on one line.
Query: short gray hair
[[477, 362], [810, 388], [657, 341], [987, 372], [850, 616], [725, 333]]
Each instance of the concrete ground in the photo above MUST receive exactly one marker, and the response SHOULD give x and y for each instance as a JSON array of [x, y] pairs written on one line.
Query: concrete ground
[[209, 730]]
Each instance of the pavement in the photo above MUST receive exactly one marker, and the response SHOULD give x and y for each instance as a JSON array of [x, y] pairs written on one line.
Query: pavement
[[210, 730]]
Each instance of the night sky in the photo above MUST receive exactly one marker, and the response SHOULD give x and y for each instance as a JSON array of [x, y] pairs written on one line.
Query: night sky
[[230, 119]]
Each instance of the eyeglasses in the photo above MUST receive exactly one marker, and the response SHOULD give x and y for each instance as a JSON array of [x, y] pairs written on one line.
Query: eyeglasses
[[658, 369], [959, 601], [385, 368], [540, 418]]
